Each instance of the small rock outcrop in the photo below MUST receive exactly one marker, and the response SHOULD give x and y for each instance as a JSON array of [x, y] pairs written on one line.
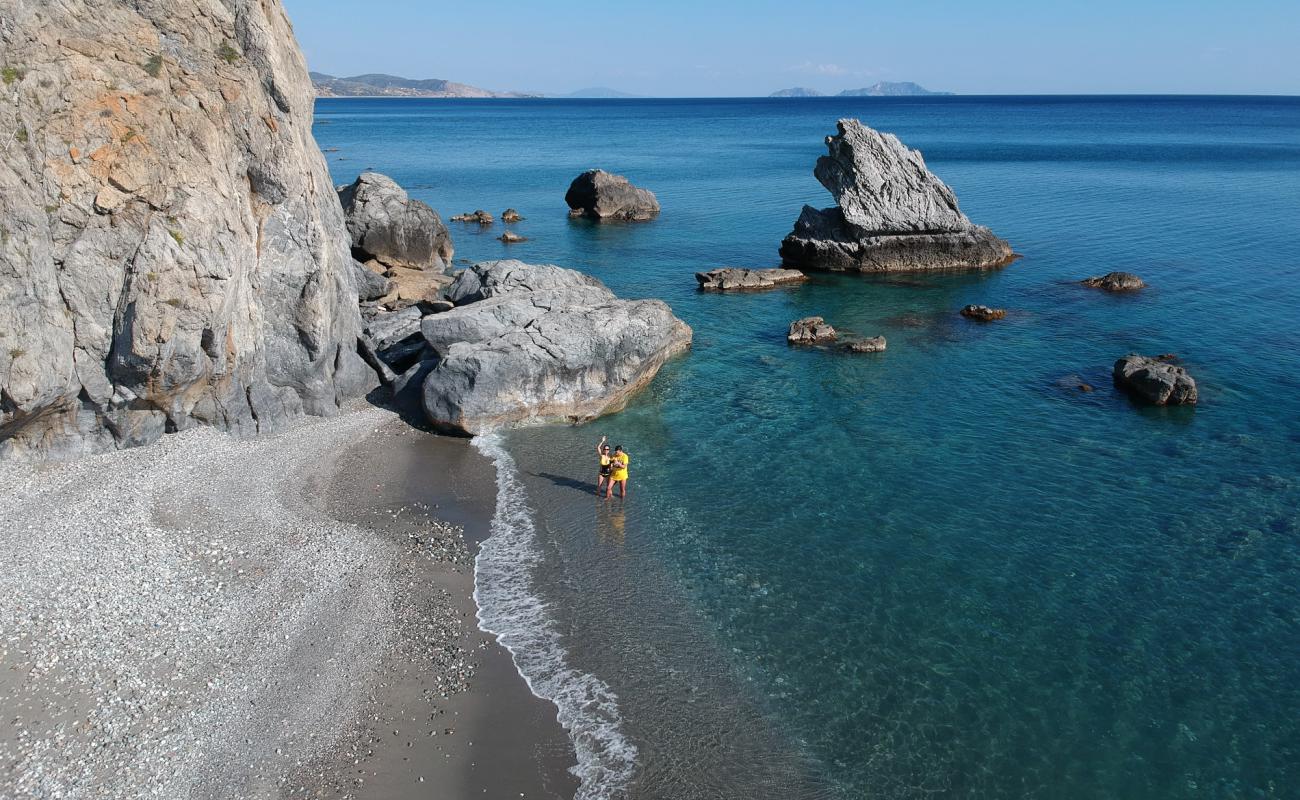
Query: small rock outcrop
[[510, 216], [1155, 380], [600, 195], [810, 330], [172, 250], [538, 342], [1116, 282], [983, 313], [510, 237], [480, 216], [730, 279], [893, 214], [874, 344], [388, 226]]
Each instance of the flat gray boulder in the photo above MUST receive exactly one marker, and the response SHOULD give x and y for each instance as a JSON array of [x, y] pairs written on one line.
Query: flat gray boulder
[[537, 343], [892, 213], [1156, 380], [730, 279], [1116, 282], [600, 195], [387, 225]]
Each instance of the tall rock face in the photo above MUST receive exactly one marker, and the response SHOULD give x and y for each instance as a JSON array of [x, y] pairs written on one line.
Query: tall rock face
[[172, 252], [893, 214]]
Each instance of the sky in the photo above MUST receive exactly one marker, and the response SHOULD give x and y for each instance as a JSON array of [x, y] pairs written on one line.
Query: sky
[[724, 48]]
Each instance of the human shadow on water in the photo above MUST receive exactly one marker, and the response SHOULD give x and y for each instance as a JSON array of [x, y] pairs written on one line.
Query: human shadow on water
[[586, 487]]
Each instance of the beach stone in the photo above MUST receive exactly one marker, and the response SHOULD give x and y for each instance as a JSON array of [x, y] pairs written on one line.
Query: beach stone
[[1116, 282], [875, 344], [1154, 380], [892, 213], [173, 251], [600, 195], [810, 330], [387, 225], [734, 278], [510, 215], [540, 343], [983, 313]]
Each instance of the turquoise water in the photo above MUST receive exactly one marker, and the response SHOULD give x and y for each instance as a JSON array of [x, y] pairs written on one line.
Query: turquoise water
[[934, 571]]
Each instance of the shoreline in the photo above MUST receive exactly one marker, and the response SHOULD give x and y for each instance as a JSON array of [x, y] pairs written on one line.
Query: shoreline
[[284, 616]]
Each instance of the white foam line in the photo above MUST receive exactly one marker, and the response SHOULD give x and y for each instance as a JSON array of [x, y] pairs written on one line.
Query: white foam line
[[510, 609]]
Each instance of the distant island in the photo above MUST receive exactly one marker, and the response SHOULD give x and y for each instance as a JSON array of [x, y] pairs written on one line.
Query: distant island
[[881, 89], [372, 85], [598, 93]]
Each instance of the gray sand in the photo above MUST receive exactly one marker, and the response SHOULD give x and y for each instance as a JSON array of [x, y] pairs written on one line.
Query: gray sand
[[208, 617]]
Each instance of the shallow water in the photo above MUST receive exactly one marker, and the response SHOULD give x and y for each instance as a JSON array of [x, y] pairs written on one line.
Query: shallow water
[[937, 570]]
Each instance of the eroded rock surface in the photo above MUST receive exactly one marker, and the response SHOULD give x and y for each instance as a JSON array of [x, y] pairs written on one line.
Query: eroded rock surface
[[1156, 380], [729, 279], [600, 195], [388, 226], [538, 342], [892, 213], [172, 252], [810, 330]]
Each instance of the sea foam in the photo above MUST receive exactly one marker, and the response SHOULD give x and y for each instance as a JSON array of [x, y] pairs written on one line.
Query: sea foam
[[510, 608]]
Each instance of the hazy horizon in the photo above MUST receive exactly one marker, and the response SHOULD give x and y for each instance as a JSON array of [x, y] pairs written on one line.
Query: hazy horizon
[[724, 49]]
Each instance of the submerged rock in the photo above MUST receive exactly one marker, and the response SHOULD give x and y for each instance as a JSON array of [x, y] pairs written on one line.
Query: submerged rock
[[1155, 380], [480, 216], [893, 214], [1116, 282], [510, 237], [388, 226], [600, 195], [983, 313], [810, 330], [538, 342], [734, 278], [875, 344], [172, 250]]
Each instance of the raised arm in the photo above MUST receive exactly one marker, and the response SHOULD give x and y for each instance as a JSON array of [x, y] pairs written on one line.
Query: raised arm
[[602, 444]]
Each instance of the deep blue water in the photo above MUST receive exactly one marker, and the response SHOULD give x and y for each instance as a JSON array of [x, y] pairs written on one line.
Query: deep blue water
[[934, 571]]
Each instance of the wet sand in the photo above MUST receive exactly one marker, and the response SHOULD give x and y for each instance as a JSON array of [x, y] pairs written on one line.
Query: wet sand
[[288, 616]]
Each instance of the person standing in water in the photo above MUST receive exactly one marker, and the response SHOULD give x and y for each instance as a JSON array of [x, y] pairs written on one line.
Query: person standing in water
[[620, 461], [606, 464]]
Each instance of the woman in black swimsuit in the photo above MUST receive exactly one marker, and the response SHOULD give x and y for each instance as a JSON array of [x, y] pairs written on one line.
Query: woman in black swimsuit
[[606, 465]]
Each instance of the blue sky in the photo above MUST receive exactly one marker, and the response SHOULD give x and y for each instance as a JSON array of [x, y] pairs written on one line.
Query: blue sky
[[734, 48]]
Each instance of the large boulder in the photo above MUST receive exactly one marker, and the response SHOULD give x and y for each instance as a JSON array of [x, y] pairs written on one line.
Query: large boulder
[[172, 253], [1155, 380], [892, 213], [600, 195], [729, 279], [388, 226], [539, 343]]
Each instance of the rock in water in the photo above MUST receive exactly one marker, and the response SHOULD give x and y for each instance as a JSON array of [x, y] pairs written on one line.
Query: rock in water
[[875, 344], [733, 278], [510, 215], [983, 313], [510, 237], [810, 330], [893, 214], [390, 227], [172, 248], [602, 196], [537, 342], [1155, 380], [1116, 282]]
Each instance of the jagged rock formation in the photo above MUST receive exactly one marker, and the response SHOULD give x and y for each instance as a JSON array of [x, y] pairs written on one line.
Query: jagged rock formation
[[538, 342], [386, 225], [600, 195], [1116, 282], [172, 252], [1155, 380], [729, 279], [810, 330], [893, 214]]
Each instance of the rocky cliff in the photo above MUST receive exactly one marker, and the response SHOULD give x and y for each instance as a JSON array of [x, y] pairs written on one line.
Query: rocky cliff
[[172, 252]]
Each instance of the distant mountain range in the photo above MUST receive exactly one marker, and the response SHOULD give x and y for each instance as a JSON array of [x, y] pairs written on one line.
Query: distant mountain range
[[392, 86], [881, 89]]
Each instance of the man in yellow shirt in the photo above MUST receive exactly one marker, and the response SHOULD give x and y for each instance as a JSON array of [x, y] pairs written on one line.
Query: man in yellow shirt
[[620, 462]]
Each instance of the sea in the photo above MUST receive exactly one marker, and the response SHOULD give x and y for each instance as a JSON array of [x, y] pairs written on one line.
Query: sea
[[939, 571]]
